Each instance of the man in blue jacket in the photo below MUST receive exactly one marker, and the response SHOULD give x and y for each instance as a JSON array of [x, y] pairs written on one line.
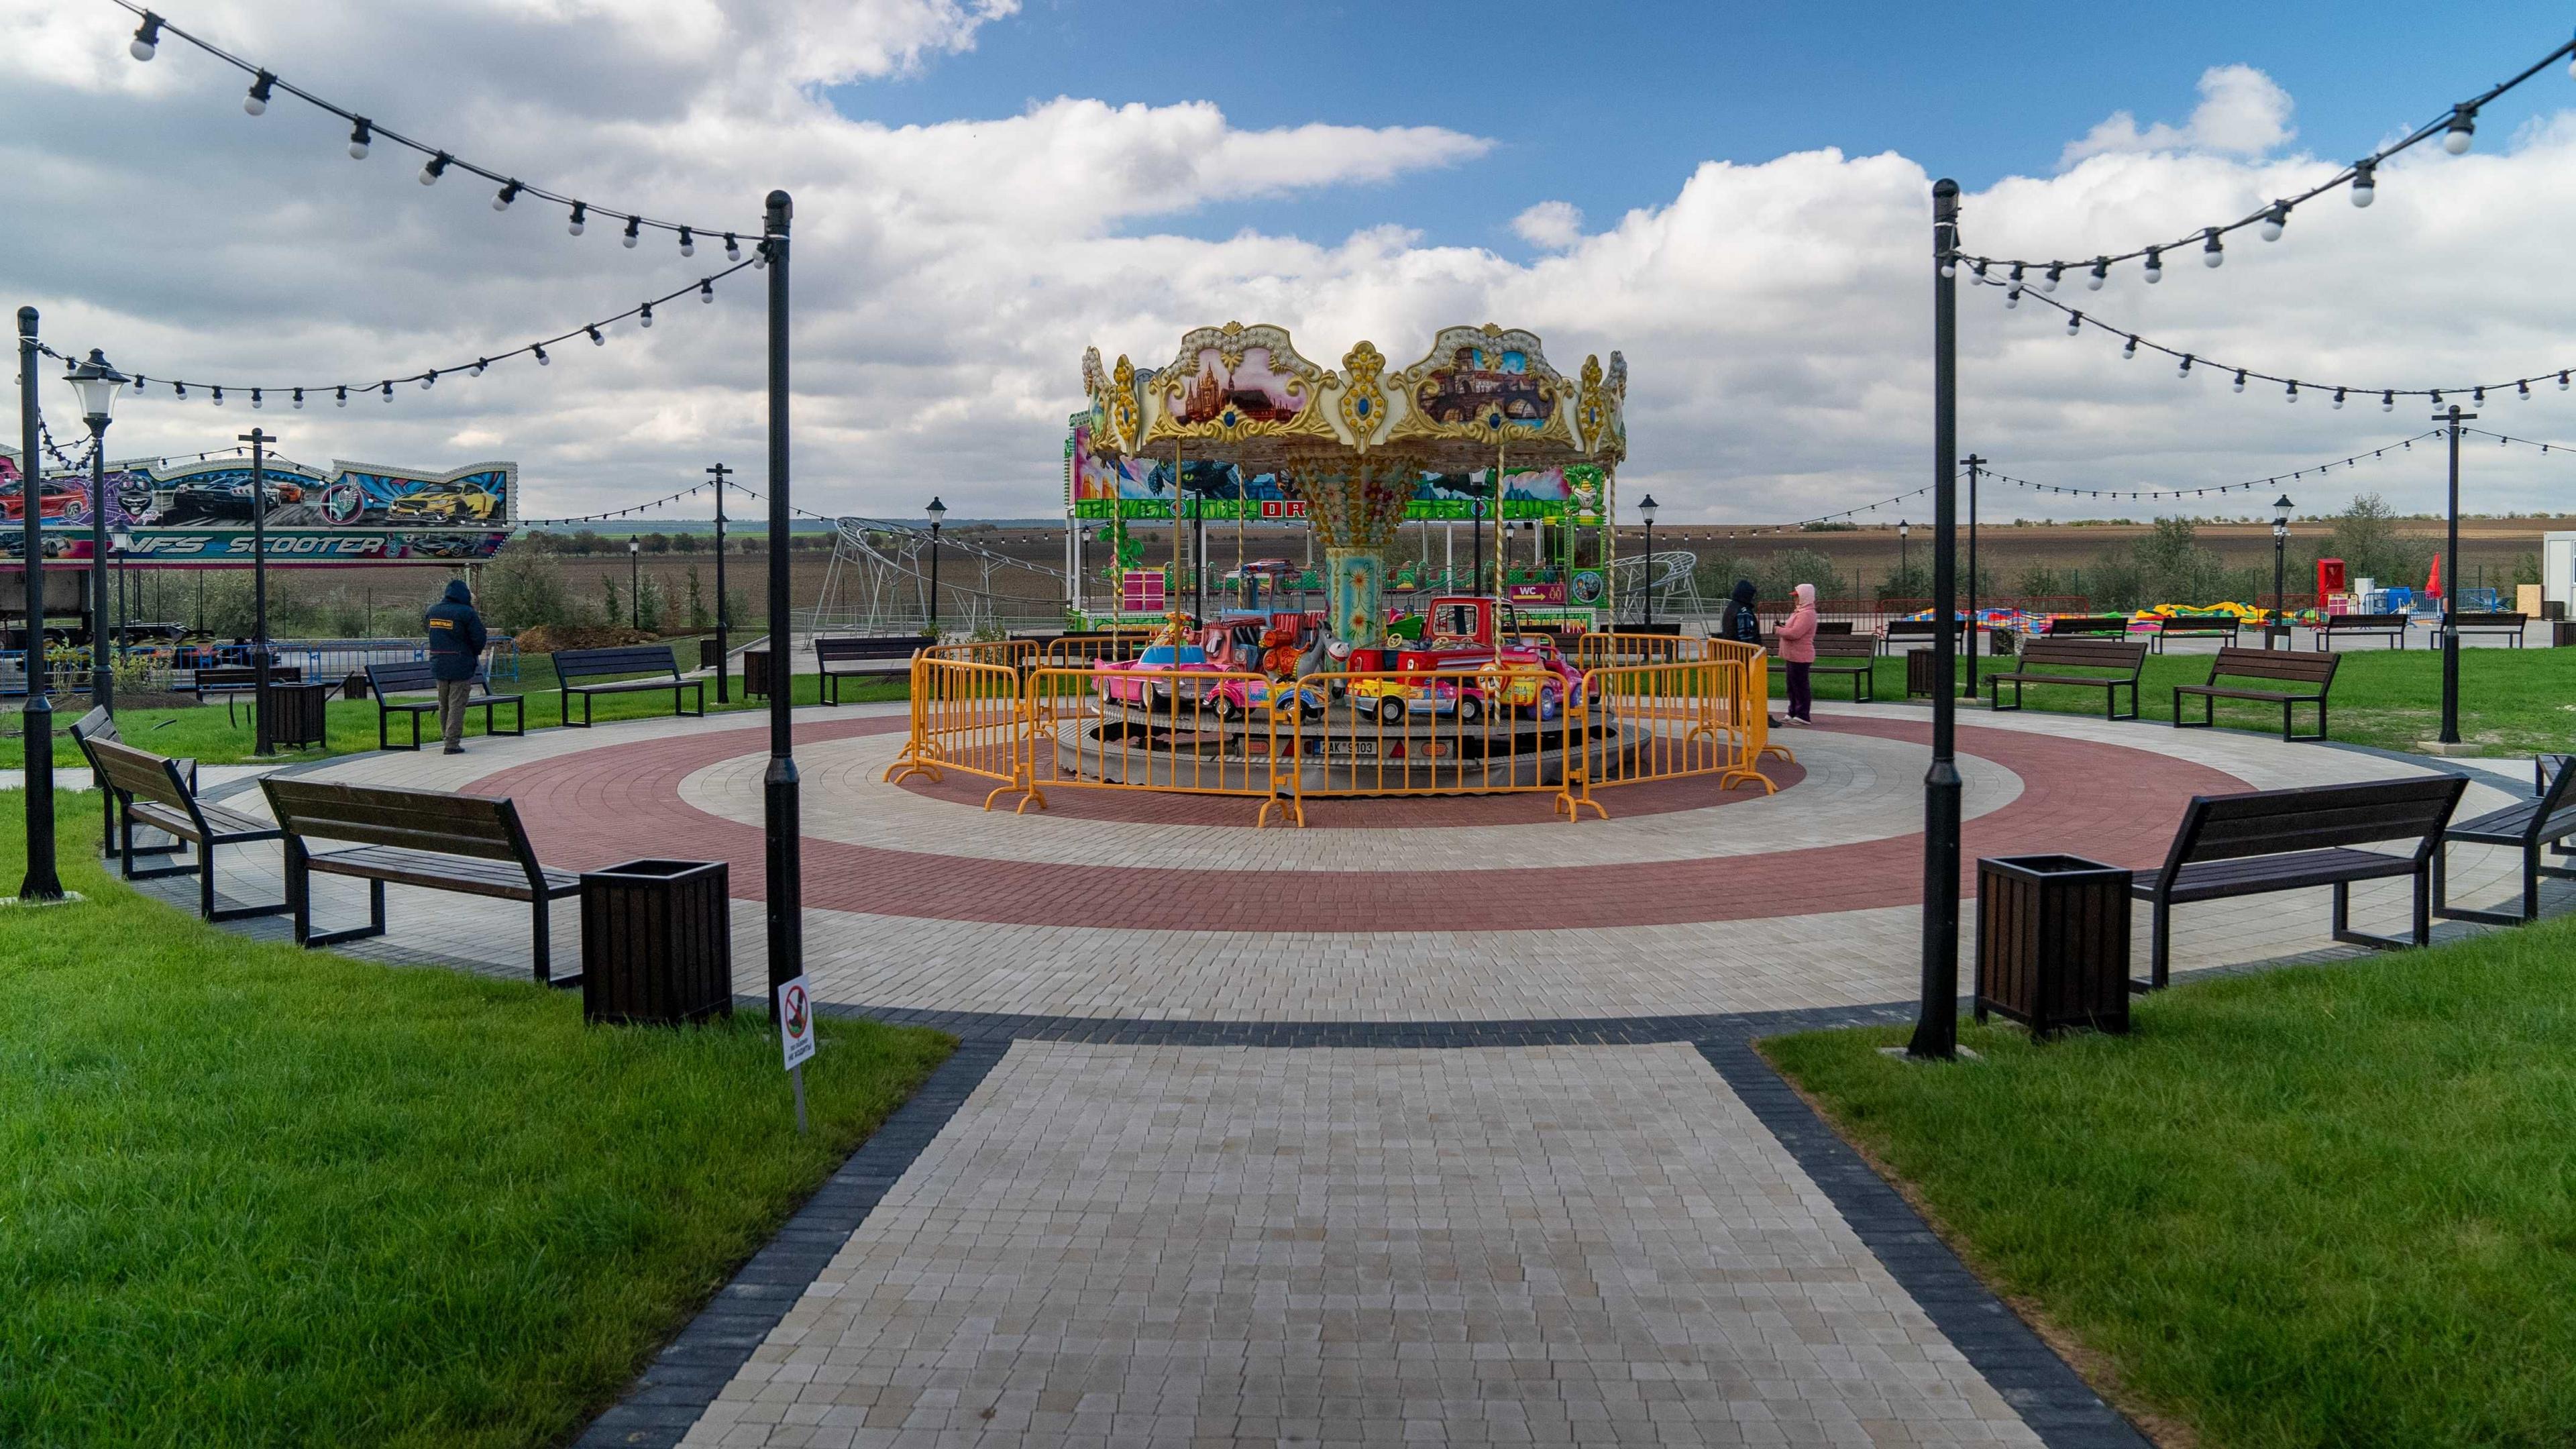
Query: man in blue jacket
[[456, 641]]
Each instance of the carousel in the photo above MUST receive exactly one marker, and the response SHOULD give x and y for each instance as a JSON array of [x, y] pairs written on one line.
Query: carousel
[[1469, 691]]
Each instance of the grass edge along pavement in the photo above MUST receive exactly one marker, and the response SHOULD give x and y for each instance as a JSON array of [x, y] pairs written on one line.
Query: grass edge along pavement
[[204, 733], [2512, 701], [2322, 1205], [256, 1195]]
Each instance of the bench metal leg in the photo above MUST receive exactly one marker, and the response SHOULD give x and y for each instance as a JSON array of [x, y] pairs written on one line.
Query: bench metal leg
[[2159, 949], [2344, 932], [206, 909], [542, 950], [2532, 871], [375, 926]]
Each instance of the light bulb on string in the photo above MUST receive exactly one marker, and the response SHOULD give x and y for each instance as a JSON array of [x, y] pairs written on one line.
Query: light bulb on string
[[2048, 279], [426, 379], [342, 400], [2240, 380], [2155, 264], [2338, 397], [2523, 390], [219, 397], [2478, 397], [2275, 219], [2365, 182], [759, 255], [480, 363], [2388, 402], [2212, 254], [595, 339], [2185, 369], [256, 103], [580, 218], [436, 168], [2131, 350], [2293, 394], [2437, 397], [2074, 323], [2562, 382], [256, 400], [2012, 296], [634, 229], [645, 317], [542, 359], [707, 290], [688, 243], [387, 388], [733, 249], [147, 37], [299, 399], [2462, 132], [508, 193], [2101, 273], [359, 135]]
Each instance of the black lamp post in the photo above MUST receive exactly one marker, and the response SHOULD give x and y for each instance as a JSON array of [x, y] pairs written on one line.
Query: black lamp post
[[2277, 634], [1936, 1027], [719, 471], [634, 582], [2452, 418], [782, 807], [1646, 511], [938, 512], [96, 384], [37, 722], [259, 439], [1904, 570], [1975, 466]]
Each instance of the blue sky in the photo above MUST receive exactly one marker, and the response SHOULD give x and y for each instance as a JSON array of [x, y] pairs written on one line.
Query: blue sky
[[1610, 105]]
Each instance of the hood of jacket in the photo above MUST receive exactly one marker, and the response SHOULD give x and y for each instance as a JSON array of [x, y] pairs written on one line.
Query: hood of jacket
[[456, 593], [1806, 595], [1744, 591]]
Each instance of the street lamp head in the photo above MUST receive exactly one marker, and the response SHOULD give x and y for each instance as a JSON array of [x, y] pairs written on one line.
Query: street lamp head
[[937, 510], [634, 545], [96, 384], [1646, 509], [2281, 512], [1903, 528]]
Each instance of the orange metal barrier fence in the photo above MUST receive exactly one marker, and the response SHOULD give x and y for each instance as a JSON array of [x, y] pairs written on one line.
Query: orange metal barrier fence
[[1176, 733], [1014, 652], [969, 716]]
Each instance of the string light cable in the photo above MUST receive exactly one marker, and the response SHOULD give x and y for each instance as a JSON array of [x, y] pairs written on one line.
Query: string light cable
[[2133, 343], [338, 392], [2505, 440], [364, 132], [2457, 127], [2402, 445]]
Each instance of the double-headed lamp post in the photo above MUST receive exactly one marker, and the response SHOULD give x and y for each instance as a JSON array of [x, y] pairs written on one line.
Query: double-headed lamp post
[[937, 512], [1646, 511], [96, 385], [2276, 635]]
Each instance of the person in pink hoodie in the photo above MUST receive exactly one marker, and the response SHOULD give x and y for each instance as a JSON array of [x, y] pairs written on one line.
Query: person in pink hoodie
[[1797, 640]]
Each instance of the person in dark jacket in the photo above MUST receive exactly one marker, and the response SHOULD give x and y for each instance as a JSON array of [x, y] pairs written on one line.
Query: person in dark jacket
[[1739, 623], [456, 642]]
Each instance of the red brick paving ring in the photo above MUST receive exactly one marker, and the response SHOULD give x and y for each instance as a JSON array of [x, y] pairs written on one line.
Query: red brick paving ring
[[2102, 800]]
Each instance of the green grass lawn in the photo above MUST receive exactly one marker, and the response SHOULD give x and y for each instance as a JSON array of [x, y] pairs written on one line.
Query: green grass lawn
[[255, 1196], [203, 733], [2329, 1205], [2513, 701]]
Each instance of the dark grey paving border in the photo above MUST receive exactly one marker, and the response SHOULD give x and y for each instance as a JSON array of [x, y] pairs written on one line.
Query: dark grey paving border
[[2049, 1395], [684, 1378]]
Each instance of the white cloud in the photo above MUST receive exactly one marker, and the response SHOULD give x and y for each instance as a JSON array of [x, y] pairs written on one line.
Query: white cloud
[[2241, 113], [1775, 316], [1550, 226]]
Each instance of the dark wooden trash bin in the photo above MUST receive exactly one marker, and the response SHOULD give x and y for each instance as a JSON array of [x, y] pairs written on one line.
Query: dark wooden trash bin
[[297, 714], [656, 942], [1922, 673], [2053, 942], [755, 674]]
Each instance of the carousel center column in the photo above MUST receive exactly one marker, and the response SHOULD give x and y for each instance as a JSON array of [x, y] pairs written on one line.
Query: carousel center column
[[1355, 507]]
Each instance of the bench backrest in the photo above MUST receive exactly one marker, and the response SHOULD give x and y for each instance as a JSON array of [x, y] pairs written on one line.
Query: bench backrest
[[1919, 628], [139, 774], [2315, 817], [2298, 667], [2214, 623], [844, 648], [2119, 654], [434, 820], [2492, 621], [2557, 797], [1844, 646], [98, 724], [409, 675], [2089, 624], [243, 676], [2365, 621], [572, 664]]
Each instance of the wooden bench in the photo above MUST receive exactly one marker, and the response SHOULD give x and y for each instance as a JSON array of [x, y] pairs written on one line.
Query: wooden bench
[[2065, 624], [2512, 624], [573, 665], [155, 790], [877, 653], [234, 680], [1845, 653], [98, 724], [2044, 661], [2196, 626], [2276, 664], [2286, 840], [469, 844], [2387, 626], [2547, 819], [1910, 631], [388, 680]]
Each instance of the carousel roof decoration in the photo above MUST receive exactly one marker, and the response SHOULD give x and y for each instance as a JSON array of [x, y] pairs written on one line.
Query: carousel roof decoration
[[1243, 394]]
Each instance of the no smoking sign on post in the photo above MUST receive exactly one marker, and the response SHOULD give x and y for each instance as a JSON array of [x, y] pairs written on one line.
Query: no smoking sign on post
[[796, 1037]]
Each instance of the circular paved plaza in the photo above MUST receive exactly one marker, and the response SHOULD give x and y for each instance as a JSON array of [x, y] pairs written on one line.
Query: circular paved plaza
[[1433, 1122]]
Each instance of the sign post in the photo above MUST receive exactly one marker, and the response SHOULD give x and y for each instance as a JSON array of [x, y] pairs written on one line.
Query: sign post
[[796, 1037]]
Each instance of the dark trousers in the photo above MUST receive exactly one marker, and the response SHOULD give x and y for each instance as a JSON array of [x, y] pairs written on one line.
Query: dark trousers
[[1802, 692]]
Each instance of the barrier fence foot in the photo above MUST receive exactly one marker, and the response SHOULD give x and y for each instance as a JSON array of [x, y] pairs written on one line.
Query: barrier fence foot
[[1780, 750], [1733, 778], [907, 765], [1290, 809]]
